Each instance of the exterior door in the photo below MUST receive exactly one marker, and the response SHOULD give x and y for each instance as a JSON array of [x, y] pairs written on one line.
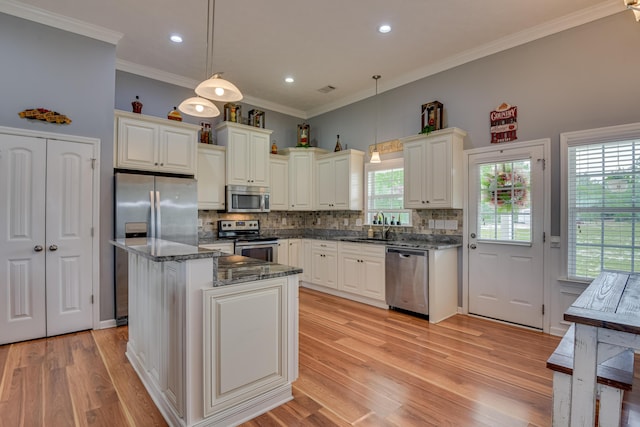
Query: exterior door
[[506, 234], [45, 277], [22, 238], [69, 220]]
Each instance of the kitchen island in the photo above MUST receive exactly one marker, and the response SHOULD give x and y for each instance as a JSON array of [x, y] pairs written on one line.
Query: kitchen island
[[213, 337]]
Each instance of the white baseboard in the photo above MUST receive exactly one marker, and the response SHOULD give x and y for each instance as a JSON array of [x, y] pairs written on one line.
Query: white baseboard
[[105, 324]]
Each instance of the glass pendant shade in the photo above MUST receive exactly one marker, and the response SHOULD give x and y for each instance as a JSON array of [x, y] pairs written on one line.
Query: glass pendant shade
[[199, 107], [375, 157], [219, 89]]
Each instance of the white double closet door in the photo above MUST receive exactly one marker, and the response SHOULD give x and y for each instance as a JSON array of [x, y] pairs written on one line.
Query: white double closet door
[[46, 220]]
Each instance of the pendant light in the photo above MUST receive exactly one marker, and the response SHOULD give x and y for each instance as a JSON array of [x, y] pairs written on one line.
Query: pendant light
[[215, 88], [375, 156]]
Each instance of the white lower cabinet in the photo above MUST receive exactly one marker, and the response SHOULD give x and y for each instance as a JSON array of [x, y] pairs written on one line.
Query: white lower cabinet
[[306, 259], [156, 313], [247, 341], [324, 263], [361, 269], [283, 252]]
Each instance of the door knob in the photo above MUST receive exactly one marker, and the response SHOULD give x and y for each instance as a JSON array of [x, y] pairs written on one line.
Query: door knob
[[53, 248], [472, 246], [38, 248]]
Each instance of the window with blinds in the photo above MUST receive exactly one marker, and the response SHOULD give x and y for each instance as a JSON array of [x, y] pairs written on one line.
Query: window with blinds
[[603, 208], [384, 192]]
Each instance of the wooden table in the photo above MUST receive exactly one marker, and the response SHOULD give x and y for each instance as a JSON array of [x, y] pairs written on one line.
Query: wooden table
[[607, 318]]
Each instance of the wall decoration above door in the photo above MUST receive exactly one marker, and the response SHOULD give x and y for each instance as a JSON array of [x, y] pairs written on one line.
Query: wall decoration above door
[[504, 123]]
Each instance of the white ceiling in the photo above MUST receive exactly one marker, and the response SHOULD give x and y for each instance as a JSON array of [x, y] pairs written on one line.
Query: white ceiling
[[323, 42]]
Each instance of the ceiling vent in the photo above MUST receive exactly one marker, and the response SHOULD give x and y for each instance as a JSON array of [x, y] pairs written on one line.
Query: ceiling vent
[[326, 89]]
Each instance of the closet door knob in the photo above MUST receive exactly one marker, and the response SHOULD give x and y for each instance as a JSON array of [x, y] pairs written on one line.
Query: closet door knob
[[38, 248], [53, 248]]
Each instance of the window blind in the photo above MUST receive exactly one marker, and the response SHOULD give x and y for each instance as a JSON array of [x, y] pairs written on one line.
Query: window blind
[[603, 208], [385, 191]]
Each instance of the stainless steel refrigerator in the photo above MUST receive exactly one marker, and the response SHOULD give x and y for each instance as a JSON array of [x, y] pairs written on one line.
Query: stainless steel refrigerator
[[151, 206]]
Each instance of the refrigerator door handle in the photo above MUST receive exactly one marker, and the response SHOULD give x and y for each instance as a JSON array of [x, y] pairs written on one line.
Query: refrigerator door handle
[[152, 225], [158, 218]]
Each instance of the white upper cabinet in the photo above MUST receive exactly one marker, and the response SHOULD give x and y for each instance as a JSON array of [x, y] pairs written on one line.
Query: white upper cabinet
[[211, 176], [302, 164], [279, 199], [155, 144], [248, 150], [433, 170], [339, 180]]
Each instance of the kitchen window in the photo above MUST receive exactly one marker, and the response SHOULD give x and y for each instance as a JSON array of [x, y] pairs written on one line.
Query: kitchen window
[[602, 192], [384, 192]]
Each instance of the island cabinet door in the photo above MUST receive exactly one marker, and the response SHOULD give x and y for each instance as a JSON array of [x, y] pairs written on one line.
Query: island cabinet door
[[246, 342]]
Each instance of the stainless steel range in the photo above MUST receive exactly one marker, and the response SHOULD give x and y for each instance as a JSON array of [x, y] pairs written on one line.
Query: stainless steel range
[[248, 241]]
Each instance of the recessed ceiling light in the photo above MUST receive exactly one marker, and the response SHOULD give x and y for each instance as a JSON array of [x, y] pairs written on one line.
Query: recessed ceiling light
[[289, 79], [176, 38], [384, 28]]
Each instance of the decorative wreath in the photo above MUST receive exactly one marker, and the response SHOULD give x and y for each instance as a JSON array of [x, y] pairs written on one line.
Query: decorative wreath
[[505, 189]]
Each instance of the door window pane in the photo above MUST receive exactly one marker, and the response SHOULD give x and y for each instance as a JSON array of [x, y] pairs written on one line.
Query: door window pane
[[504, 207]]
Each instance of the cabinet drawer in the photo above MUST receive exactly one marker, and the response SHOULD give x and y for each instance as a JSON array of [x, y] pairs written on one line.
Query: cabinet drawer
[[325, 245], [363, 249]]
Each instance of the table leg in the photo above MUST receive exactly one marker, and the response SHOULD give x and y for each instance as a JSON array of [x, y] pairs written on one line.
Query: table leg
[[583, 385]]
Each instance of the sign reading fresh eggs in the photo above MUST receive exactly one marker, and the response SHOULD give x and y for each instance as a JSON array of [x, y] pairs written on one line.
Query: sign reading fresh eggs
[[504, 123]]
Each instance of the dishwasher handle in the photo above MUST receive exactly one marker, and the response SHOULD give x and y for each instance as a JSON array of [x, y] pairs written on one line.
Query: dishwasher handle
[[406, 253]]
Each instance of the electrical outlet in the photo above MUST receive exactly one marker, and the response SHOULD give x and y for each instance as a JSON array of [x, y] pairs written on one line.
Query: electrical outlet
[[432, 224], [346, 221], [451, 224], [318, 221], [284, 220], [359, 222], [199, 222]]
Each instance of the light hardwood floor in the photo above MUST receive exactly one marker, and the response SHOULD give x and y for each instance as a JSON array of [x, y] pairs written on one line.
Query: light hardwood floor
[[359, 365]]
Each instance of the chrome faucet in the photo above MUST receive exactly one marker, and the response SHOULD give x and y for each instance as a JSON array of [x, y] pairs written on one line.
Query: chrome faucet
[[384, 226]]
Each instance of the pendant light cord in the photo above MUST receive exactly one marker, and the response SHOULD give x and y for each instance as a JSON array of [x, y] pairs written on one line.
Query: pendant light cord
[[210, 21], [376, 77]]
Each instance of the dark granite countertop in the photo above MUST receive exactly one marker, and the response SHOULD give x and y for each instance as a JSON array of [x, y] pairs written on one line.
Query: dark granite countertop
[[163, 250], [233, 269]]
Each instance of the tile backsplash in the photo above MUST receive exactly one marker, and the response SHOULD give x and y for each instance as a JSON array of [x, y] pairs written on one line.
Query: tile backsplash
[[427, 221]]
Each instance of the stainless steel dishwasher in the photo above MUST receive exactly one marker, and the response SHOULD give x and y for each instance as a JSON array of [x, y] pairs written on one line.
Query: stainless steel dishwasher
[[407, 279]]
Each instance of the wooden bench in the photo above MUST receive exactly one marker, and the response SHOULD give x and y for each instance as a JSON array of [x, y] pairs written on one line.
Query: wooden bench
[[614, 377]]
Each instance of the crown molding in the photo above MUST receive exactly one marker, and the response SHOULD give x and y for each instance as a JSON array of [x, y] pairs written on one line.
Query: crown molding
[[572, 20], [51, 19], [174, 79], [155, 74]]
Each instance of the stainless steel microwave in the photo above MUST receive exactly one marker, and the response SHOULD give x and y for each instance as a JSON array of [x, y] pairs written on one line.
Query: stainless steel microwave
[[243, 198]]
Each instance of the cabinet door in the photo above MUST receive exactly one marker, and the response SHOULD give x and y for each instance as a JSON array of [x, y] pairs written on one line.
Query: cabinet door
[[211, 176], [238, 152], [342, 183], [178, 150], [372, 280], [137, 145], [331, 269], [259, 171], [283, 251], [350, 273], [307, 260], [414, 166], [325, 184], [295, 257], [301, 190], [438, 173], [279, 184], [317, 267]]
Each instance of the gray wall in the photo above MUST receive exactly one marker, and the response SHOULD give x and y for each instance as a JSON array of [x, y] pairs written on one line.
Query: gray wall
[[158, 98], [582, 78], [73, 75]]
